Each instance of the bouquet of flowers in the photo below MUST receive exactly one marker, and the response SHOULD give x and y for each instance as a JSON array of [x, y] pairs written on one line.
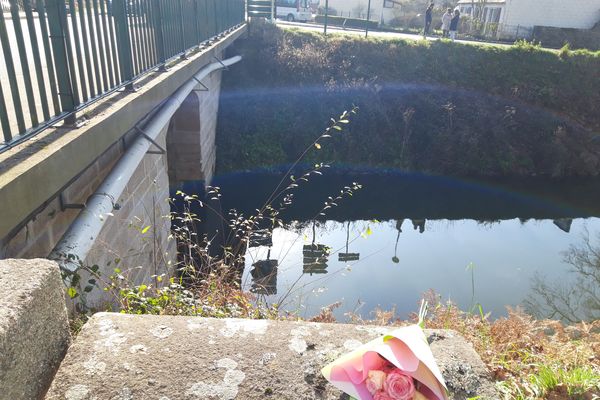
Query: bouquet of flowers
[[397, 366]]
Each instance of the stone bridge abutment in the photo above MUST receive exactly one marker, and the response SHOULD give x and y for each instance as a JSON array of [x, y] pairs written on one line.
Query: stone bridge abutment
[[191, 137]]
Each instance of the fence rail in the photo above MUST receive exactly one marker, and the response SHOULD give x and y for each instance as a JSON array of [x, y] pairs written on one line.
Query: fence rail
[[61, 55], [494, 31]]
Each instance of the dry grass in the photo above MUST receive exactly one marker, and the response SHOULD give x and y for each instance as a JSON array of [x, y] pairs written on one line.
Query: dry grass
[[529, 358]]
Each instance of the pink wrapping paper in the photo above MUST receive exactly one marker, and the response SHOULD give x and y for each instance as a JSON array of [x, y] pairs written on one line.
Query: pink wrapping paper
[[405, 348]]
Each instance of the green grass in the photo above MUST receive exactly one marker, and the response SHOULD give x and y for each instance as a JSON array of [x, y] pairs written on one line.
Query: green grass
[[576, 383]]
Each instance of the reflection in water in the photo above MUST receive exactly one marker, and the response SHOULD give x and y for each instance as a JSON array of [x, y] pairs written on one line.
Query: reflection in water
[[399, 223], [508, 255], [575, 298], [264, 276], [516, 237], [261, 237], [419, 224], [315, 256], [564, 224], [348, 257]]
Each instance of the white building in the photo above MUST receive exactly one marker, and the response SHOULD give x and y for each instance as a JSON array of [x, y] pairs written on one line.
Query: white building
[[382, 11], [513, 16]]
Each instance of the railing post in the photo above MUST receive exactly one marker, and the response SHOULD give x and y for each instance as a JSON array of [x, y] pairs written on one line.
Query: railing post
[[197, 22], [368, 19], [59, 33], [123, 42], [182, 30], [326, 15], [159, 39]]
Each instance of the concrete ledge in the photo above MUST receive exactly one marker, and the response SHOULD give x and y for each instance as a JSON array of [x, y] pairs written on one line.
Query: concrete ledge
[[119, 356], [34, 330]]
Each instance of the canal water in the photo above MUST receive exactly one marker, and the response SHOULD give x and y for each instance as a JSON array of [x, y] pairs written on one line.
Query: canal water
[[481, 245]]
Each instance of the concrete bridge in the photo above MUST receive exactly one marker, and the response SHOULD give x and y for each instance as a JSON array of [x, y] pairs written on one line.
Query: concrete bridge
[[92, 145]]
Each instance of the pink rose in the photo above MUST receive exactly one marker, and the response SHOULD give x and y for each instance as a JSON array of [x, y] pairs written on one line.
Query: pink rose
[[399, 386], [381, 395], [375, 381]]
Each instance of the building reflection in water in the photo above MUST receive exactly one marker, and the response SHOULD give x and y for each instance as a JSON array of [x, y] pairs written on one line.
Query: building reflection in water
[[348, 257], [264, 276], [419, 224], [315, 256]]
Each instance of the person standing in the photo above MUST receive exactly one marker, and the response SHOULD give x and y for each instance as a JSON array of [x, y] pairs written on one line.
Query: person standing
[[428, 19], [454, 25], [446, 19]]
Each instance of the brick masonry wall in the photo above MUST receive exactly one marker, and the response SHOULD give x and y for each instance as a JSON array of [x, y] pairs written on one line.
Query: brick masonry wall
[[581, 14], [144, 203], [137, 238]]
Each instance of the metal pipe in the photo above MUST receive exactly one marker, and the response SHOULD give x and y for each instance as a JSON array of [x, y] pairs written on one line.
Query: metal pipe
[[76, 243]]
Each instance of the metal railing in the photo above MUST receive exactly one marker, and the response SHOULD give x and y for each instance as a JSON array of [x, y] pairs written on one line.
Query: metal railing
[[494, 31], [59, 56]]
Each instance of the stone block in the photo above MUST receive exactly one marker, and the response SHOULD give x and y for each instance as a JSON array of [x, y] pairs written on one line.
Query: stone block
[[18, 244], [34, 330], [83, 187], [176, 358], [41, 246]]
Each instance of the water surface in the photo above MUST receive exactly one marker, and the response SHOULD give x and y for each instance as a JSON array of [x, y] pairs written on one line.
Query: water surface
[[403, 235]]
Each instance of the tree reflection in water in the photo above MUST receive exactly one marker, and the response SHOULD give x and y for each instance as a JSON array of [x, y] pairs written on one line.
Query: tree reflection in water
[[574, 301]]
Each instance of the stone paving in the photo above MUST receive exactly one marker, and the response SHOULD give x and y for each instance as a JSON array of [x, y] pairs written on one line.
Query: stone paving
[[121, 357]]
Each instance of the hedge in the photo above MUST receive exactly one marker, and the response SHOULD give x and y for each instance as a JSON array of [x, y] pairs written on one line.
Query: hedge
[[435, 107]]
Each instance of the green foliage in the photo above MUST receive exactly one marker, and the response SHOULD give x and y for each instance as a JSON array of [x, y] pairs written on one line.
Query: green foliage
[[553, 381], [436, 107]]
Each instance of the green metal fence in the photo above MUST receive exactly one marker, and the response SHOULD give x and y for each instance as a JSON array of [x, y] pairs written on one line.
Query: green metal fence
[[59, 56]]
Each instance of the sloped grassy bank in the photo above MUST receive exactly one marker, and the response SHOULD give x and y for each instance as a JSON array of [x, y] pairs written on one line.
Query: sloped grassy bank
[[433, 107]]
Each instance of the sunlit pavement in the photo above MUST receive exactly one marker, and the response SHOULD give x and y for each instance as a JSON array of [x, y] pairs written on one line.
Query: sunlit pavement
[[307, 26]]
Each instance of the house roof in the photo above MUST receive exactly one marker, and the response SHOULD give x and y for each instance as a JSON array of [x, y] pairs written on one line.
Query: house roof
[[478, 2]]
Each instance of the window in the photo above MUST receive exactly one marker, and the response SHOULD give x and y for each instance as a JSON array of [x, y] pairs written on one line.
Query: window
[[496, 15], [492, 14], [389, 4], [286, 3]]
